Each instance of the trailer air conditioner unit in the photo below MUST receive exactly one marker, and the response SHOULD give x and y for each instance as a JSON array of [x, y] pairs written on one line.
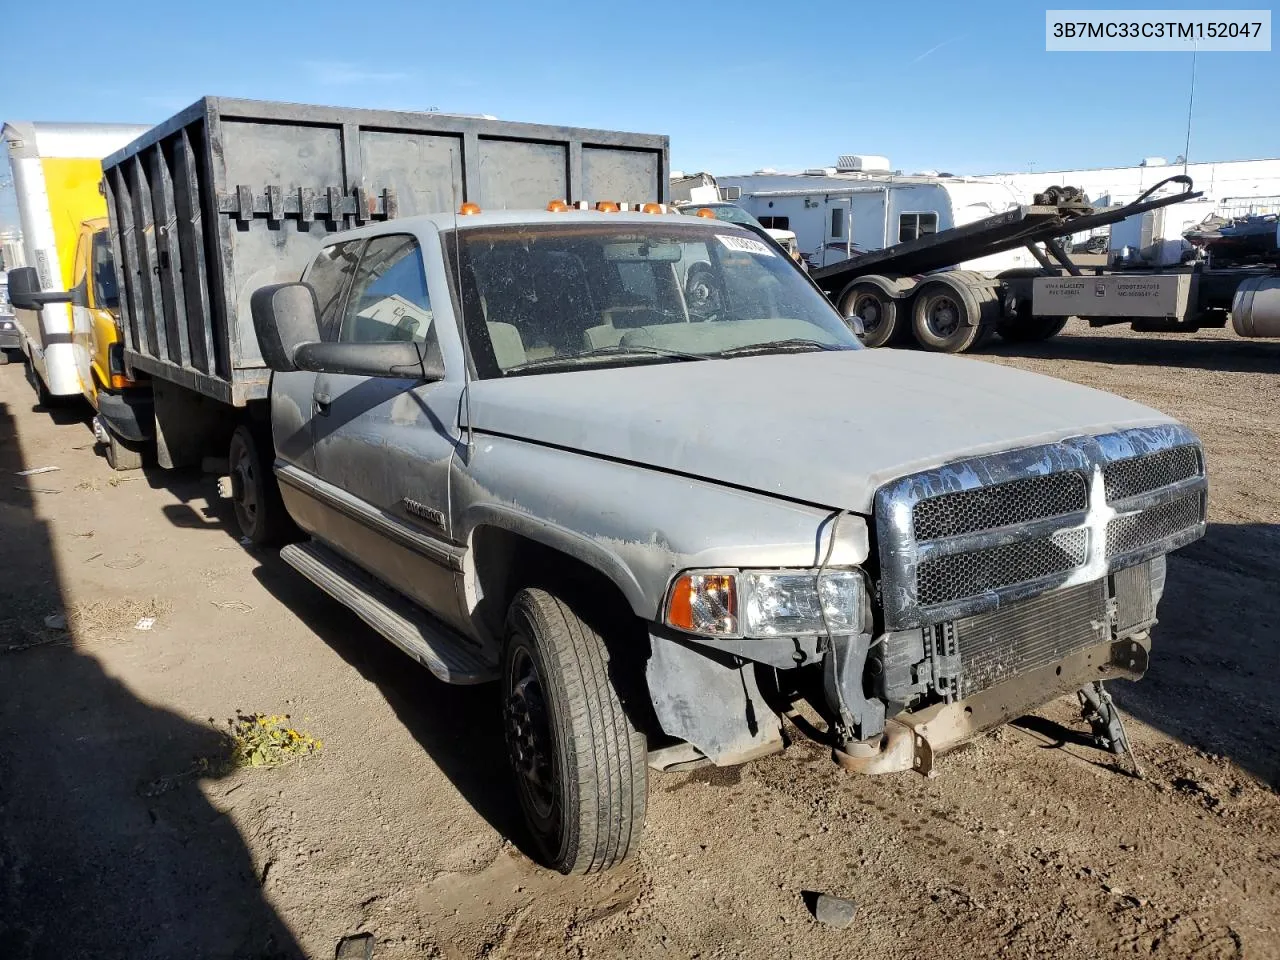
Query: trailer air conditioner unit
[[862, 163]]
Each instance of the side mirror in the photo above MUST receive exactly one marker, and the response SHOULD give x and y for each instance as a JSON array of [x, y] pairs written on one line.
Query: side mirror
[[855, 324], [284, 317], [396, 359], [25, 293]]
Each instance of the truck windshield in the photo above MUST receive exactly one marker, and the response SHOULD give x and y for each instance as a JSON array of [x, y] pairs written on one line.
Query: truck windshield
[[564, 296]]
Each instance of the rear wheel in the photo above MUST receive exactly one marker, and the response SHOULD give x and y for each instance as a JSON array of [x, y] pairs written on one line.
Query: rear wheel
[[4, 357], [254, 492], [954, 315], [876, 309], [579, 761]]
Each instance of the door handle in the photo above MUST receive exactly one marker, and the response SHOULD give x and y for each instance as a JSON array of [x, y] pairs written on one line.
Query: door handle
[[323, 402]]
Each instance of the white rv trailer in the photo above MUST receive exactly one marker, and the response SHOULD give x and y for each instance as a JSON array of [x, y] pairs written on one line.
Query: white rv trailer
[[56, 175], [837, 213]]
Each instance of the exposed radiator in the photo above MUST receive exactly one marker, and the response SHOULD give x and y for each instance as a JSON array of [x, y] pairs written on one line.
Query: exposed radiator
[[1000, 645]]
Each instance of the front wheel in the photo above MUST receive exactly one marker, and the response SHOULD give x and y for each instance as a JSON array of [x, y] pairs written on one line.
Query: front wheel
[[122, 456], [579, 761]]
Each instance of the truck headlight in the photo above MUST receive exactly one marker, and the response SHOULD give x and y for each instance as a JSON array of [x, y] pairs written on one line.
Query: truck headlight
[[766, 603]]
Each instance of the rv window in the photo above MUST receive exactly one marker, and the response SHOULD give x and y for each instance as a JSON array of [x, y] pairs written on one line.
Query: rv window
[[914, 225], [776, 223], [837, 223]]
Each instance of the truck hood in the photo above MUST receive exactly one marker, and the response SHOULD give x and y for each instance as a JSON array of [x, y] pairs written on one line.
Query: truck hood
[[826, 428]]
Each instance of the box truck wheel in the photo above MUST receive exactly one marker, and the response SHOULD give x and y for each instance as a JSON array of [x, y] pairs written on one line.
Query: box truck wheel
[[254, 491], [579, 762], [876, 309], [121, 455], [947, 316]]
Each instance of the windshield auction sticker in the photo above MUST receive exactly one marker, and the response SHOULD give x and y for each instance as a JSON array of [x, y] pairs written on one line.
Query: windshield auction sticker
[[745, 245], [1132, 31]]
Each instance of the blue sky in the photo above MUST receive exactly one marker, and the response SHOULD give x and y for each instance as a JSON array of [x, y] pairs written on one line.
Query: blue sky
[[963, 87]]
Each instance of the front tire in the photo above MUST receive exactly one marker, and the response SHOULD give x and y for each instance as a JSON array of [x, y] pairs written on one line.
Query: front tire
[[579, 761], [122, 456]]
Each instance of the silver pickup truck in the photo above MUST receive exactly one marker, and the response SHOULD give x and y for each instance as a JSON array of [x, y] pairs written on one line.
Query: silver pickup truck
[[635, 468]]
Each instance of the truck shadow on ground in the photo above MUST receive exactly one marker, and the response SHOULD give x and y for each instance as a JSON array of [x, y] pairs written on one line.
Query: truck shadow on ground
[[1233, 356], [460, 727], [108, 847]]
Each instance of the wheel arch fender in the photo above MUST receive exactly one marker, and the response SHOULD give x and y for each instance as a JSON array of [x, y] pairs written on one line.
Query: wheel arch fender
[[511, 522], [895, 288]]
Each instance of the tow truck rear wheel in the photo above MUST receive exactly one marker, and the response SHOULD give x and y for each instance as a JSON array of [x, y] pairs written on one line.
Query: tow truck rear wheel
[[953, 315], [254, 492], [579, 761], [876, 309]]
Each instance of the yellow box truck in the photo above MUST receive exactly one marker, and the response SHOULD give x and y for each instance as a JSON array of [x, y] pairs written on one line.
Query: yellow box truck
[[70, 338]]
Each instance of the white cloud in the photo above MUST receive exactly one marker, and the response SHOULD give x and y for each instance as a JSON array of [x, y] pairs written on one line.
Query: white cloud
[[339, 73]]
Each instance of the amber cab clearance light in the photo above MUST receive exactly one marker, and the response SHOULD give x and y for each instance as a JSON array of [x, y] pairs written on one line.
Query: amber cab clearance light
[[707, 213], [557, 206], [607, 206], [651, 208], [467, 209]]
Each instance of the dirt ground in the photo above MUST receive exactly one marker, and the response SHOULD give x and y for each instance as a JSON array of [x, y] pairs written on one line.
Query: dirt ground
[[119, 839]]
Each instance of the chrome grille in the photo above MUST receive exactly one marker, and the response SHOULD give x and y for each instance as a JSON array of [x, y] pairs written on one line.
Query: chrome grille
[[1127, 534], [1002, 505], [982, 533], [1002, 644], [953, 576], [1137, 475]]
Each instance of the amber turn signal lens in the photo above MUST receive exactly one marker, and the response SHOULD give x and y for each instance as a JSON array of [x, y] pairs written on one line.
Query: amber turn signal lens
[[704, 603]]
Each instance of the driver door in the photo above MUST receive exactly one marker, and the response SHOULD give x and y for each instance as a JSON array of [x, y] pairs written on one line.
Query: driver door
[[385, 444]]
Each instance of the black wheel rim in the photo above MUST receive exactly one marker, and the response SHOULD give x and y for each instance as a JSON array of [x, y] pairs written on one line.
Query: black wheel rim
[[869, 310], [942, 314], [530, 742], [244, 488]]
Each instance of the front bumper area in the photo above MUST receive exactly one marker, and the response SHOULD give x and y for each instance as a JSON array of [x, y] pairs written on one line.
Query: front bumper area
[[912, 741], [129, 414]]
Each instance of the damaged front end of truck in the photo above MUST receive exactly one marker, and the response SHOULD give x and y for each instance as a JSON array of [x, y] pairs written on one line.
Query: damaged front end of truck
[[995, 584]]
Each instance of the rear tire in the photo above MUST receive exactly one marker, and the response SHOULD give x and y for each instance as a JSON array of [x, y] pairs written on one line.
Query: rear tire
[[121, 455], [954, 315], [255, 493], [876, 309], [579, 761], [4, 358]]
